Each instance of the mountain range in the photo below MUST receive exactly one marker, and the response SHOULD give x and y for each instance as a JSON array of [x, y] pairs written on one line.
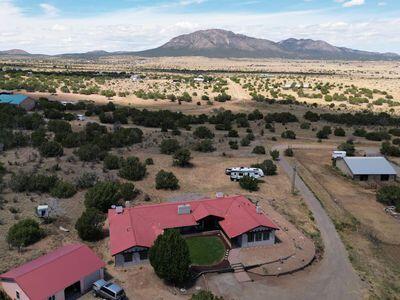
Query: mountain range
[[217, 43]]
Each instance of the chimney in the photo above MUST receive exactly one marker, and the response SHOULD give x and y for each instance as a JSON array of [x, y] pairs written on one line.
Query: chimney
[[184, 209], [258, 209], [128, 204]]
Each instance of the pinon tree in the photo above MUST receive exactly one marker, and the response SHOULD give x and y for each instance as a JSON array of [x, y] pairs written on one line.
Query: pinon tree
[[170, 258]]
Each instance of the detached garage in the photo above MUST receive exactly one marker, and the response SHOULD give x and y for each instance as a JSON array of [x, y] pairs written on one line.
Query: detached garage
[[367, 168], [65, 273]]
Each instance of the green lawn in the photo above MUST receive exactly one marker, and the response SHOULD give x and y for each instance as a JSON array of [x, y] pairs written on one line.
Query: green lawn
[[205, 250]]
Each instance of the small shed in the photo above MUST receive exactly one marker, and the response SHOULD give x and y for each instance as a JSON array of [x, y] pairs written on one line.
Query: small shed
[[65, 273], [367, 168]]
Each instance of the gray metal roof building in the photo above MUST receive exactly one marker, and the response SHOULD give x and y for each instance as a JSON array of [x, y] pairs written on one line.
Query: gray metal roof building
[[369, 166]]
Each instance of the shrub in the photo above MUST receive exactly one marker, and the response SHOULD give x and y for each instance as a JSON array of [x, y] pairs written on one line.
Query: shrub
[[112, 162], [377, 136], [86, 180], [339, 131], [249, 183], [89, 152], [389, 149], [233, 145], [288, 134], [305, 125], [132, 169], [311, 116], [283, 117], [172, 268], [348, 147], [24, 233], [233, 133], [396, 141], [223, 97], [258, 150], [205, 146], [51, 149], [38, 137], [169, 146], [322, 135], [244, 142], [149, 161], [90, 225], [205, 295], [267, 166], [389, 195], [166, 180], [395, 131], [203, 132], [182, 158], [289, 152], [274, 154], [23, 181], [102, 196], [63, 189], [360, 132], [127, 191]]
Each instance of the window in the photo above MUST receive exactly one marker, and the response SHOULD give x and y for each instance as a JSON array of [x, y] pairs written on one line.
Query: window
[[17, 295], [384, 177], [363, 177], [250, 237], [143, 254], [258, 236], [128, 256], [265, 235]]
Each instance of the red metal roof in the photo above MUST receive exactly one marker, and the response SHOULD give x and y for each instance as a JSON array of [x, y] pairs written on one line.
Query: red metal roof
[[53, 272], [140, 225]]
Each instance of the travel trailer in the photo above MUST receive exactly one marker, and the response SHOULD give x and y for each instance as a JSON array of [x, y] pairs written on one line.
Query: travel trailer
[[236, 173]]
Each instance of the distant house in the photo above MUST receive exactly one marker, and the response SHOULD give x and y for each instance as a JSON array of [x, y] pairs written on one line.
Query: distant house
[[133, 230], [62, 274], [199, 78], [367, 168], [18, 99], [135, 77]]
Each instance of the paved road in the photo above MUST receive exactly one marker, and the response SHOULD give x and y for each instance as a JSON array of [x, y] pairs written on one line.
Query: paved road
[[332, 278]]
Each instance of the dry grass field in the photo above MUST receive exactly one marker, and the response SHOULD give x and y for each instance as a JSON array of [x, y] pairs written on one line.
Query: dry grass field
[[371, 236]]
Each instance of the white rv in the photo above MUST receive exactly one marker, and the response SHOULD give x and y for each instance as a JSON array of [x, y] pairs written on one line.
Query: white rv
[[338, 154], [237, 173]]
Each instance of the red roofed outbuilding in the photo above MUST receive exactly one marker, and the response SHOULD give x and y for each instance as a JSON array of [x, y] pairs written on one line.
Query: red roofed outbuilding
[[71, 269], [133, 230]]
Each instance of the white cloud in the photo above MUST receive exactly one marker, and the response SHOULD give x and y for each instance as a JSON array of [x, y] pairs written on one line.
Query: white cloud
[[49, 9], [138, 29], [351, 3]]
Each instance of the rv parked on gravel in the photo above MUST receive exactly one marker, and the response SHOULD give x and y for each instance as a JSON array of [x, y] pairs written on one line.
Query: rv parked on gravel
[[236, 173]]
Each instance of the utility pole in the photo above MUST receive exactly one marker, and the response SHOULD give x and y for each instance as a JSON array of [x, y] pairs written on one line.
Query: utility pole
[[294, 179]]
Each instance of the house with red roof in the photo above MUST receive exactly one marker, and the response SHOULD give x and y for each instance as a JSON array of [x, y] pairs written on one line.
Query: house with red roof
[[133, 230], [62, 274]]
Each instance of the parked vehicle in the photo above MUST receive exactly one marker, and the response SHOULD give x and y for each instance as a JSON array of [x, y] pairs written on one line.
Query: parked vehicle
[[338, 154], [237, 173], [108, 290]]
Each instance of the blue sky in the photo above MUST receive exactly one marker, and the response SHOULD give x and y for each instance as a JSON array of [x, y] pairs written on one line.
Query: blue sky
[[55, 26]]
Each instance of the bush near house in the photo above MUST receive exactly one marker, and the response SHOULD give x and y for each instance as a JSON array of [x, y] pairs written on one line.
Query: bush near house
[[249, 183], [391, 150], [268, 167], [128, 191], [90, 225], [169, 146], [132, 169], [182, 158], [102, 196], [172, 268], [205, 295], [389, 195], [274, 154], [166, 181], [348, 147], [63, 189], [24, 233]]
